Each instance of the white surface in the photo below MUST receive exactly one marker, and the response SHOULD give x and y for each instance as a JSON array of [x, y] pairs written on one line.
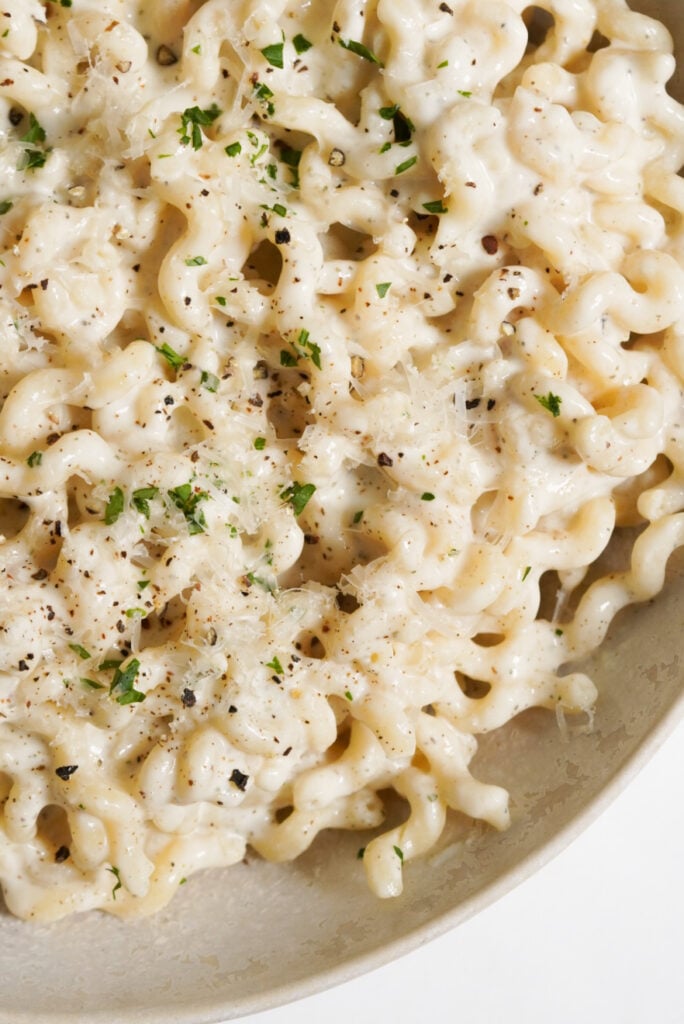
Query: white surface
[[596, 936]]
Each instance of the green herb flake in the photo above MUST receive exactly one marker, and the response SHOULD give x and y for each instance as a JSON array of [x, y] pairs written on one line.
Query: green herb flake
[[427, 496], [383, 288], [172, 357], [134, 613], [122, 684], [220, 300], [358, 516], [399, 852], [464, 92], [432, 797], [406, 165], [196, 49], [349, 695], [109, 663], [550, 402], [291, 158], [558, 632], [192, 121], [389, 113], [275, 665], [33, 159], [265, 94], [34, 459], [385, 147], [260, 443], [91, 684], [360, 853], [209, 381], [309, 348], [526, 572], [5, 206], [141, 498], [287, 359], [435, 206], [298, 496], [143, 584], [36, 132], [115, 872], [301, 44], [234, 149], [195, 261], [114, 506], [444, 64], [252, 578], [81, 651], [274, 54], [187, 500], [360, 50]]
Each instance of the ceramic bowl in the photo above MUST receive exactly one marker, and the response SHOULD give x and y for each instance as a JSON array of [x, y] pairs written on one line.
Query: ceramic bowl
[[256, 935]]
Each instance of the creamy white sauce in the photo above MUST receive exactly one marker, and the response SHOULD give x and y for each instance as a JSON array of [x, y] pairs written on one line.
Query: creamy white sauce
[[310, 374]]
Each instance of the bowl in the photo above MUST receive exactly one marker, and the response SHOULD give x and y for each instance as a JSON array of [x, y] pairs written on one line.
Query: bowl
[[256, 935]]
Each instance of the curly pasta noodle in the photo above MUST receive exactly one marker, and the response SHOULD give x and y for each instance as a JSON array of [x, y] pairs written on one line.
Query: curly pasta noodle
[[327, 331]]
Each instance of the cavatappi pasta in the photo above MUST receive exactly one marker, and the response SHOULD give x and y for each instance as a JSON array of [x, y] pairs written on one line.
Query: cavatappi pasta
[[328, 331]]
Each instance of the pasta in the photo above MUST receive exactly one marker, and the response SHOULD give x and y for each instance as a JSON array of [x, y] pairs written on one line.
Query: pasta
[[338, 341]]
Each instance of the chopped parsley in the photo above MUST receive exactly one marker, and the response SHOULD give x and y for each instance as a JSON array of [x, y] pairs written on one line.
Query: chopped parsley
[[406, 165], [195, 261], [5, 206], [427, 496], [91, 684], [114, 506], [383, 288], [264, 94], [36, 132], [171, 356], [526, 572], [304, 348], [122, 684], [274, 54], [301, 43], [276, 208], [220, 300], [115, 872], [81, 651], [551, 402], [349, 695], [187, 500], [360, 50], [291, 158], [33, 159], [389, 113], [275, 665], [140, 500], [464, 92], [298, 496], [233, 149], [34, 459], [209, 381], [192, 121], [358, 516], [399, 852], [260, 443], [435, 206]]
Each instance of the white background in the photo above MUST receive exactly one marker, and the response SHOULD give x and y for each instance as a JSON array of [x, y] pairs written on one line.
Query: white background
[[595, 937]]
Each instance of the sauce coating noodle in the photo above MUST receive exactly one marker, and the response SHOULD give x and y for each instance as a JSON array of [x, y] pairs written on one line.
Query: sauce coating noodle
[[338, 339]]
